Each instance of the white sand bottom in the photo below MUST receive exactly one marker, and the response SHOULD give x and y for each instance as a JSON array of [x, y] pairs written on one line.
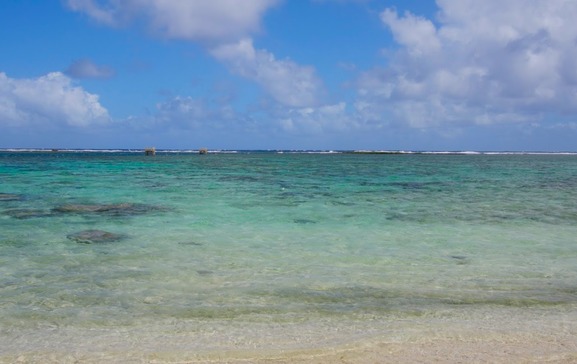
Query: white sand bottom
[[505, 336]]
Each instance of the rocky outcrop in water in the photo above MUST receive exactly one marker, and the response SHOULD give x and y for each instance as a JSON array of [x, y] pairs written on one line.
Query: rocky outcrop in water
[[93, 236]]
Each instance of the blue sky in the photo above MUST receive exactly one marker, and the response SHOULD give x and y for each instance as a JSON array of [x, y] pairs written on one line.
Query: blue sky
[[289, 74]]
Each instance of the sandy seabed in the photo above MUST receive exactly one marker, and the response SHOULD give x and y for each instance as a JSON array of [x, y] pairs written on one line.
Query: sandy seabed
[[509, 350], [509, 336]]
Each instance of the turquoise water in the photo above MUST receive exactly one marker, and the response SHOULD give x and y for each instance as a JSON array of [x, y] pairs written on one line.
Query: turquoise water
[[301, 244]]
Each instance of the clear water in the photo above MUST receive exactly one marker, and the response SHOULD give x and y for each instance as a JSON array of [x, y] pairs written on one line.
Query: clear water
[[268, 250]]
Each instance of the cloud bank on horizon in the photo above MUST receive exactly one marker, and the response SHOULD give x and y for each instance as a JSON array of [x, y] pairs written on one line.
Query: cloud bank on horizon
[[492, 75]]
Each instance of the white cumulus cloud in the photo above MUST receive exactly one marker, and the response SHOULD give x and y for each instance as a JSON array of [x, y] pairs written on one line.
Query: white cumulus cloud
[[287, 82], [224, 27], [478, 62], [52, 98], [418, 34], [206, 21]]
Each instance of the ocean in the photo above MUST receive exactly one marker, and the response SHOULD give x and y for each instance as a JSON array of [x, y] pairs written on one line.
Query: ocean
[[114, 256]]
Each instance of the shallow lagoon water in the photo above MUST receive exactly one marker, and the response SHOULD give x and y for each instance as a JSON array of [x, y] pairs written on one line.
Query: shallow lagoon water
[[272, 251]]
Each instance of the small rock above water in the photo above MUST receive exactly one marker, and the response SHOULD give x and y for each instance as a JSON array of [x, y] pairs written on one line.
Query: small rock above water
[[93, 236]]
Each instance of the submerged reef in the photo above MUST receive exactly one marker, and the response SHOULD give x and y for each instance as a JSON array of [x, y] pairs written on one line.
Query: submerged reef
[[120, 209], [10, 197], [26, 213], [94, 236]]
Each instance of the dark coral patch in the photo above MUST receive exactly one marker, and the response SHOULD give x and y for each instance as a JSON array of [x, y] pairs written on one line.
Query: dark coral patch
[[93, 236], [27, 213], [10, 197], [304, 221], [120, 209]]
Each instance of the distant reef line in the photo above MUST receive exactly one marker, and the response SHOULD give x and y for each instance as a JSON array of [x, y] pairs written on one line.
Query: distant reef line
[[277, 151]]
